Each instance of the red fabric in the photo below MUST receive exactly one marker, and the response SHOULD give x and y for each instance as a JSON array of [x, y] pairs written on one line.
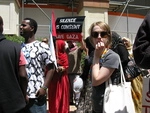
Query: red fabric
[[58, 92], [22, 60], [53, 24], [62, 56]]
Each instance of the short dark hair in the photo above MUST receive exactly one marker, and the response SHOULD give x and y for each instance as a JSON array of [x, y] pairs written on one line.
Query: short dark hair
[[32, 23], [1, 20], [1, 24]]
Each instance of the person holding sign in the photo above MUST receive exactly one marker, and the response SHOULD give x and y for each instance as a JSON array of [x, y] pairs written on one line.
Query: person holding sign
[[74, 55], [70, 29]]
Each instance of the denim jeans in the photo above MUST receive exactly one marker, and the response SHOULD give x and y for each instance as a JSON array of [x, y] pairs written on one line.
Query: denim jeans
[[36, 106]]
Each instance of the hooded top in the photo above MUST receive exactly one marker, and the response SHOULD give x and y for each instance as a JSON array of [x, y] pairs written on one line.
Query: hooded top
[[141, 46], [119, 47], [61, 54], [116, 38]]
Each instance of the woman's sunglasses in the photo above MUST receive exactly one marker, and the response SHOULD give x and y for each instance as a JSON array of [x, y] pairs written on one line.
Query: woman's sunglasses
[[96, 34]]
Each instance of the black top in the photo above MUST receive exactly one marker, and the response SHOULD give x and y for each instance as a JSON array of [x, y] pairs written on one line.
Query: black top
[[11, 96], [141, 46], [119, 47]]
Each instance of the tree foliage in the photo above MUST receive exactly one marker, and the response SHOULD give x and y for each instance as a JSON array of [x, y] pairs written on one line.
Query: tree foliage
[[15, 38]]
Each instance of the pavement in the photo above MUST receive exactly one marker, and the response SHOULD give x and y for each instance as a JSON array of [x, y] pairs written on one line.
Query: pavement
[[72, 109]]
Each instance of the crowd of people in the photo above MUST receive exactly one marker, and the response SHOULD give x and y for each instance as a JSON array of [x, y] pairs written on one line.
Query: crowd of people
[[29, 75]]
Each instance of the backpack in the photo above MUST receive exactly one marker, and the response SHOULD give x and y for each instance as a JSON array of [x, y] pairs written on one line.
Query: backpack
[[131, 70]]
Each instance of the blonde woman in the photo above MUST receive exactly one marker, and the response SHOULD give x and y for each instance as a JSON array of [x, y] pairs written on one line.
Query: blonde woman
[[128, 44], [105, 63]]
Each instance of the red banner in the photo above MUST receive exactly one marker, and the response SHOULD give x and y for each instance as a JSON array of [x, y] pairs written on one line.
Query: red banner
[[69, 36]]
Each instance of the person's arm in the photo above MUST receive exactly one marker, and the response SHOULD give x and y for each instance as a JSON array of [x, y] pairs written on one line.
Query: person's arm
[[83, 45], [50, 71], [23, 80], [100, 75], [124, 54], [51, 68], [23, 75]]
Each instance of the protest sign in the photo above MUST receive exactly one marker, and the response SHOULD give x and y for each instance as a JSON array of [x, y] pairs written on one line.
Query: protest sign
[[146, 96], [69, 28]]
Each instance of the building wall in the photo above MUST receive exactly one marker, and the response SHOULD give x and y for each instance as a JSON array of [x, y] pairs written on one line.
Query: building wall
[[43, 16], [92, 15], [125, 26], [10, 14]]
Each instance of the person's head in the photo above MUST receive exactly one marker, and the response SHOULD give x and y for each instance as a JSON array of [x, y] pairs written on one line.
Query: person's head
[[45, 40], [1, 25], [116, 38], [100, 31], [71, 44], [127, 43], [28, 27]]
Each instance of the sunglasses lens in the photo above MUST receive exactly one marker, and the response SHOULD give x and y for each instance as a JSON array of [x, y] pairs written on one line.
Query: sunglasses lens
[[103, 34], [96, 34]]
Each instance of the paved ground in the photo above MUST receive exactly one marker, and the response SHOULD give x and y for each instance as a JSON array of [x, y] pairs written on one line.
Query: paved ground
[[72, 109]]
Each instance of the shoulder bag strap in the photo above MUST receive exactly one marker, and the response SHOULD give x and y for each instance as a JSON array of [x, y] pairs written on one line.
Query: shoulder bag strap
[[121, 72]]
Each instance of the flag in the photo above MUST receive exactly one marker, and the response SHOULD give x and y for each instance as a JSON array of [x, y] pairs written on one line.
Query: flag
[[52, 29], [53, 24]]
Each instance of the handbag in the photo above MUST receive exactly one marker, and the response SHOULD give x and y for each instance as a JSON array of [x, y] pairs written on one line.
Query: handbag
[[118, 98], [131, 70], [136, 90]]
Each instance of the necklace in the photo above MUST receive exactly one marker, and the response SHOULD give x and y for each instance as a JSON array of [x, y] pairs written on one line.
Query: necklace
[[104, 52]]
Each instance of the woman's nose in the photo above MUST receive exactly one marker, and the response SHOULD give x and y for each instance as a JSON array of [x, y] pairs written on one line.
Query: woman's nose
[[99, 36]]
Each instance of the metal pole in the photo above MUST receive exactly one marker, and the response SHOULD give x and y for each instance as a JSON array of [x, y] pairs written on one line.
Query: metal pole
[[127, 24], [41, 10], [72, 6], [22, 16], [121, 14]]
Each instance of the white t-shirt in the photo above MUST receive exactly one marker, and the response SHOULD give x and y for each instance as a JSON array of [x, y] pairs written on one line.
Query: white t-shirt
[[38, 55]]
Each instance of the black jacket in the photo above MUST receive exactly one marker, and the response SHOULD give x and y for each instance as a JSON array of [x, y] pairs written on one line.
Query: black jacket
[[119, 47], [11, 96], [141, 46]]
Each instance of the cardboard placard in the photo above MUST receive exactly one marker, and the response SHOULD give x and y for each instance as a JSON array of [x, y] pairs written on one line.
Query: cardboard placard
[[146, 96], [69, 28]]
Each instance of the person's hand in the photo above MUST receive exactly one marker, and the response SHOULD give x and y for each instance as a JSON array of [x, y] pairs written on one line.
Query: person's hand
[[41, 93], [61, 69], [99, 49]]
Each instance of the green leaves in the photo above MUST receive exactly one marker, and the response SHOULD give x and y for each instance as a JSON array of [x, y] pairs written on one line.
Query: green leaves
[[15, 38]]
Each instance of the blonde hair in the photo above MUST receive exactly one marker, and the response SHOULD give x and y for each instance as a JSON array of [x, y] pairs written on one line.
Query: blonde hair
[[128, 43], [103, 26], [45, 40]]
